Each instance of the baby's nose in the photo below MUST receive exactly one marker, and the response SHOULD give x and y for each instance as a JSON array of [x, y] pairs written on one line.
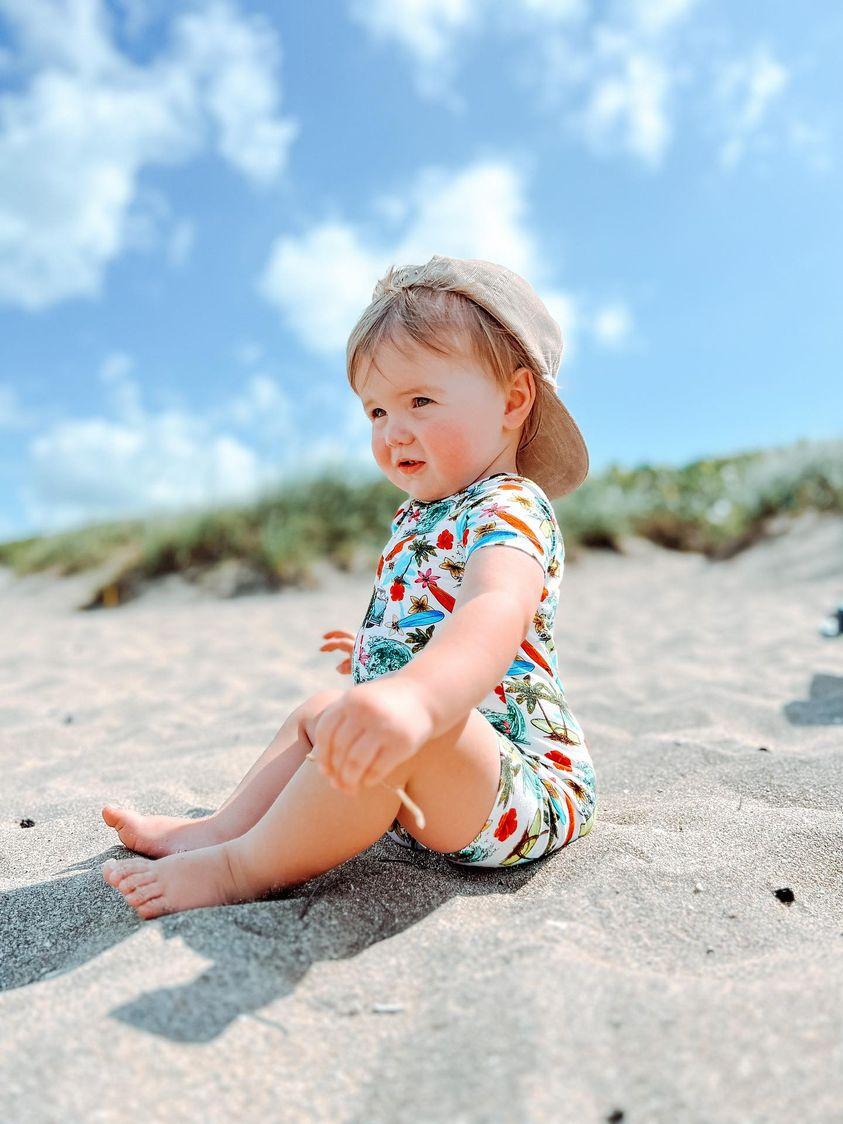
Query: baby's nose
[[396, 436]]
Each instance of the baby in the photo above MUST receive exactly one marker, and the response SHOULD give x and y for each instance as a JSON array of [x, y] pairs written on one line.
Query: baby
[[456, 707]]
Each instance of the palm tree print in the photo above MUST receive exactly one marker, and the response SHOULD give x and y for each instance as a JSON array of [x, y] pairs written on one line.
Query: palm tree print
[[417, 638], [529, 694], [422, 550]]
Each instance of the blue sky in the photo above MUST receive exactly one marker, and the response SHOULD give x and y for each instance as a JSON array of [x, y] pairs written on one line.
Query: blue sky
[[197, 199]]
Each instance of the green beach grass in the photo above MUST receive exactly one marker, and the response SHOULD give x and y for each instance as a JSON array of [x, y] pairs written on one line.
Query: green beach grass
[[715, 506]]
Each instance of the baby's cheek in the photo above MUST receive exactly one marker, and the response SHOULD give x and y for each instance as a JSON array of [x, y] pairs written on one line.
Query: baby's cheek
[[449, 442], [381, 453]]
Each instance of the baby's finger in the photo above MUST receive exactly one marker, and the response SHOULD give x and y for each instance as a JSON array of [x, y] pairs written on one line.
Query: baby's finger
[[341, 742], [378, 769], [356, 761], [371, 776], [325, 736]]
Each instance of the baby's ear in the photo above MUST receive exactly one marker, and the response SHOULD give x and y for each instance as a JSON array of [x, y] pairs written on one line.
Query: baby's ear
[[521, 397]]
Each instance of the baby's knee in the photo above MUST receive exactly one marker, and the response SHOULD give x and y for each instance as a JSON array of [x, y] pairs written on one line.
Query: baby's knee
[[310, 710]]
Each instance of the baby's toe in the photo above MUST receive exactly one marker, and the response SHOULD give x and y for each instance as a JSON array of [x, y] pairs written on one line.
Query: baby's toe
[[155, 907], [142, 894], [133, 881], [116, 870]]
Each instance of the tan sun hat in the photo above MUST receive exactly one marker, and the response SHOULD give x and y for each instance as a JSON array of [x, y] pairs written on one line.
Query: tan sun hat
[[555, 456]]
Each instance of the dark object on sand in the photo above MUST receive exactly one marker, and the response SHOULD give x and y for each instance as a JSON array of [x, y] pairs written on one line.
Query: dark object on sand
[[833, 624], [785, 894], [27, 823]]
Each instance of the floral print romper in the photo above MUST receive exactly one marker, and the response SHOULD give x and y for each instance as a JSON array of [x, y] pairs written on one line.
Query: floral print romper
[[547, 791]]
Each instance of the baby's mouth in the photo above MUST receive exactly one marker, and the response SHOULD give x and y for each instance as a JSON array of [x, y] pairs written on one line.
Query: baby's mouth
[[410, 466]]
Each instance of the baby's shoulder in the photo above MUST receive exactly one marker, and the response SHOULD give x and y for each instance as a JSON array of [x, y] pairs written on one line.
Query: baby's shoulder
[[510, 490]]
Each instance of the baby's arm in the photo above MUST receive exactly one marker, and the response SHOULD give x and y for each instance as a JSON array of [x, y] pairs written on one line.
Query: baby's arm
[[471, 651]]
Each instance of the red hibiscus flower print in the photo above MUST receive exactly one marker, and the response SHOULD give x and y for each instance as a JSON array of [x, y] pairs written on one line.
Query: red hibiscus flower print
[[396, 591], [560, 760], [445, 540], [507, 824], [501, 693], [465, 536]]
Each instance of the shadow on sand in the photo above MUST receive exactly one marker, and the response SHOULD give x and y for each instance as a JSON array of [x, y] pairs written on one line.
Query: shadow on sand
[[259, 950], [823, 707]]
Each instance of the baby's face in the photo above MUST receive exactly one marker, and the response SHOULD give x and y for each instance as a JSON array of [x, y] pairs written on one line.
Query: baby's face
[[441, 410]]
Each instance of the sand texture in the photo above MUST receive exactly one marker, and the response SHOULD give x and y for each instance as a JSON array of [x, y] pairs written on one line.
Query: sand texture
[[656, 968]]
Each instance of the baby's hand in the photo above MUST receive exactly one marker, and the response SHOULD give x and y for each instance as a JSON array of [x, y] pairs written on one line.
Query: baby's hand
[[345, 643], [359, 739]]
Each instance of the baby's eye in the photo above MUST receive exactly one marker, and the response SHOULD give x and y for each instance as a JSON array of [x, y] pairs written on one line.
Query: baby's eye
[[418, 397]]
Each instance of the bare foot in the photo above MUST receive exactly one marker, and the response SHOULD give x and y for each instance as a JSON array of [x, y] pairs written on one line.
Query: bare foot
[[160, 835], [204, 877]]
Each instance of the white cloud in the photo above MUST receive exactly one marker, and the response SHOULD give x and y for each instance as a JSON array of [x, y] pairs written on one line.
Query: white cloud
[[427, 30], [87, 120], [612, 325], [616, 79], [557, 9], [317, 280], [653, 17], [628, 106], [234, 63], [614, 74], [566, 310], [611, 68], [322, 280], [262, 407], [164, 462], [157, 461], [425, 27], [176, 459], [746, 88]]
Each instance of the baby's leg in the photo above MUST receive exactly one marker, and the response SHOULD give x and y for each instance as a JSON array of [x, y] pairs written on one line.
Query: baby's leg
[[312, 827], [163, 835]]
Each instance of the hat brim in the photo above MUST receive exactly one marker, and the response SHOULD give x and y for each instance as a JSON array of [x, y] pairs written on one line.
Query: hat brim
[[556, 457]]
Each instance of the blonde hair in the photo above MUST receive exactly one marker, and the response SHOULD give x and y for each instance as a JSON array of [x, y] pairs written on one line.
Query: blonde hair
[[445, 323]]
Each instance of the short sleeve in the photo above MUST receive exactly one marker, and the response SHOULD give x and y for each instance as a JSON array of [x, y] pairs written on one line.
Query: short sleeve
[[511, 513]]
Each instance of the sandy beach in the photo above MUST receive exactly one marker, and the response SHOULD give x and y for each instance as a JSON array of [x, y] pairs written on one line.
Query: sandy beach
[[683, 962]]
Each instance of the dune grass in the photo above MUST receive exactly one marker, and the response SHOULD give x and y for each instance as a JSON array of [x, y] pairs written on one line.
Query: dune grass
[[716, 506]]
